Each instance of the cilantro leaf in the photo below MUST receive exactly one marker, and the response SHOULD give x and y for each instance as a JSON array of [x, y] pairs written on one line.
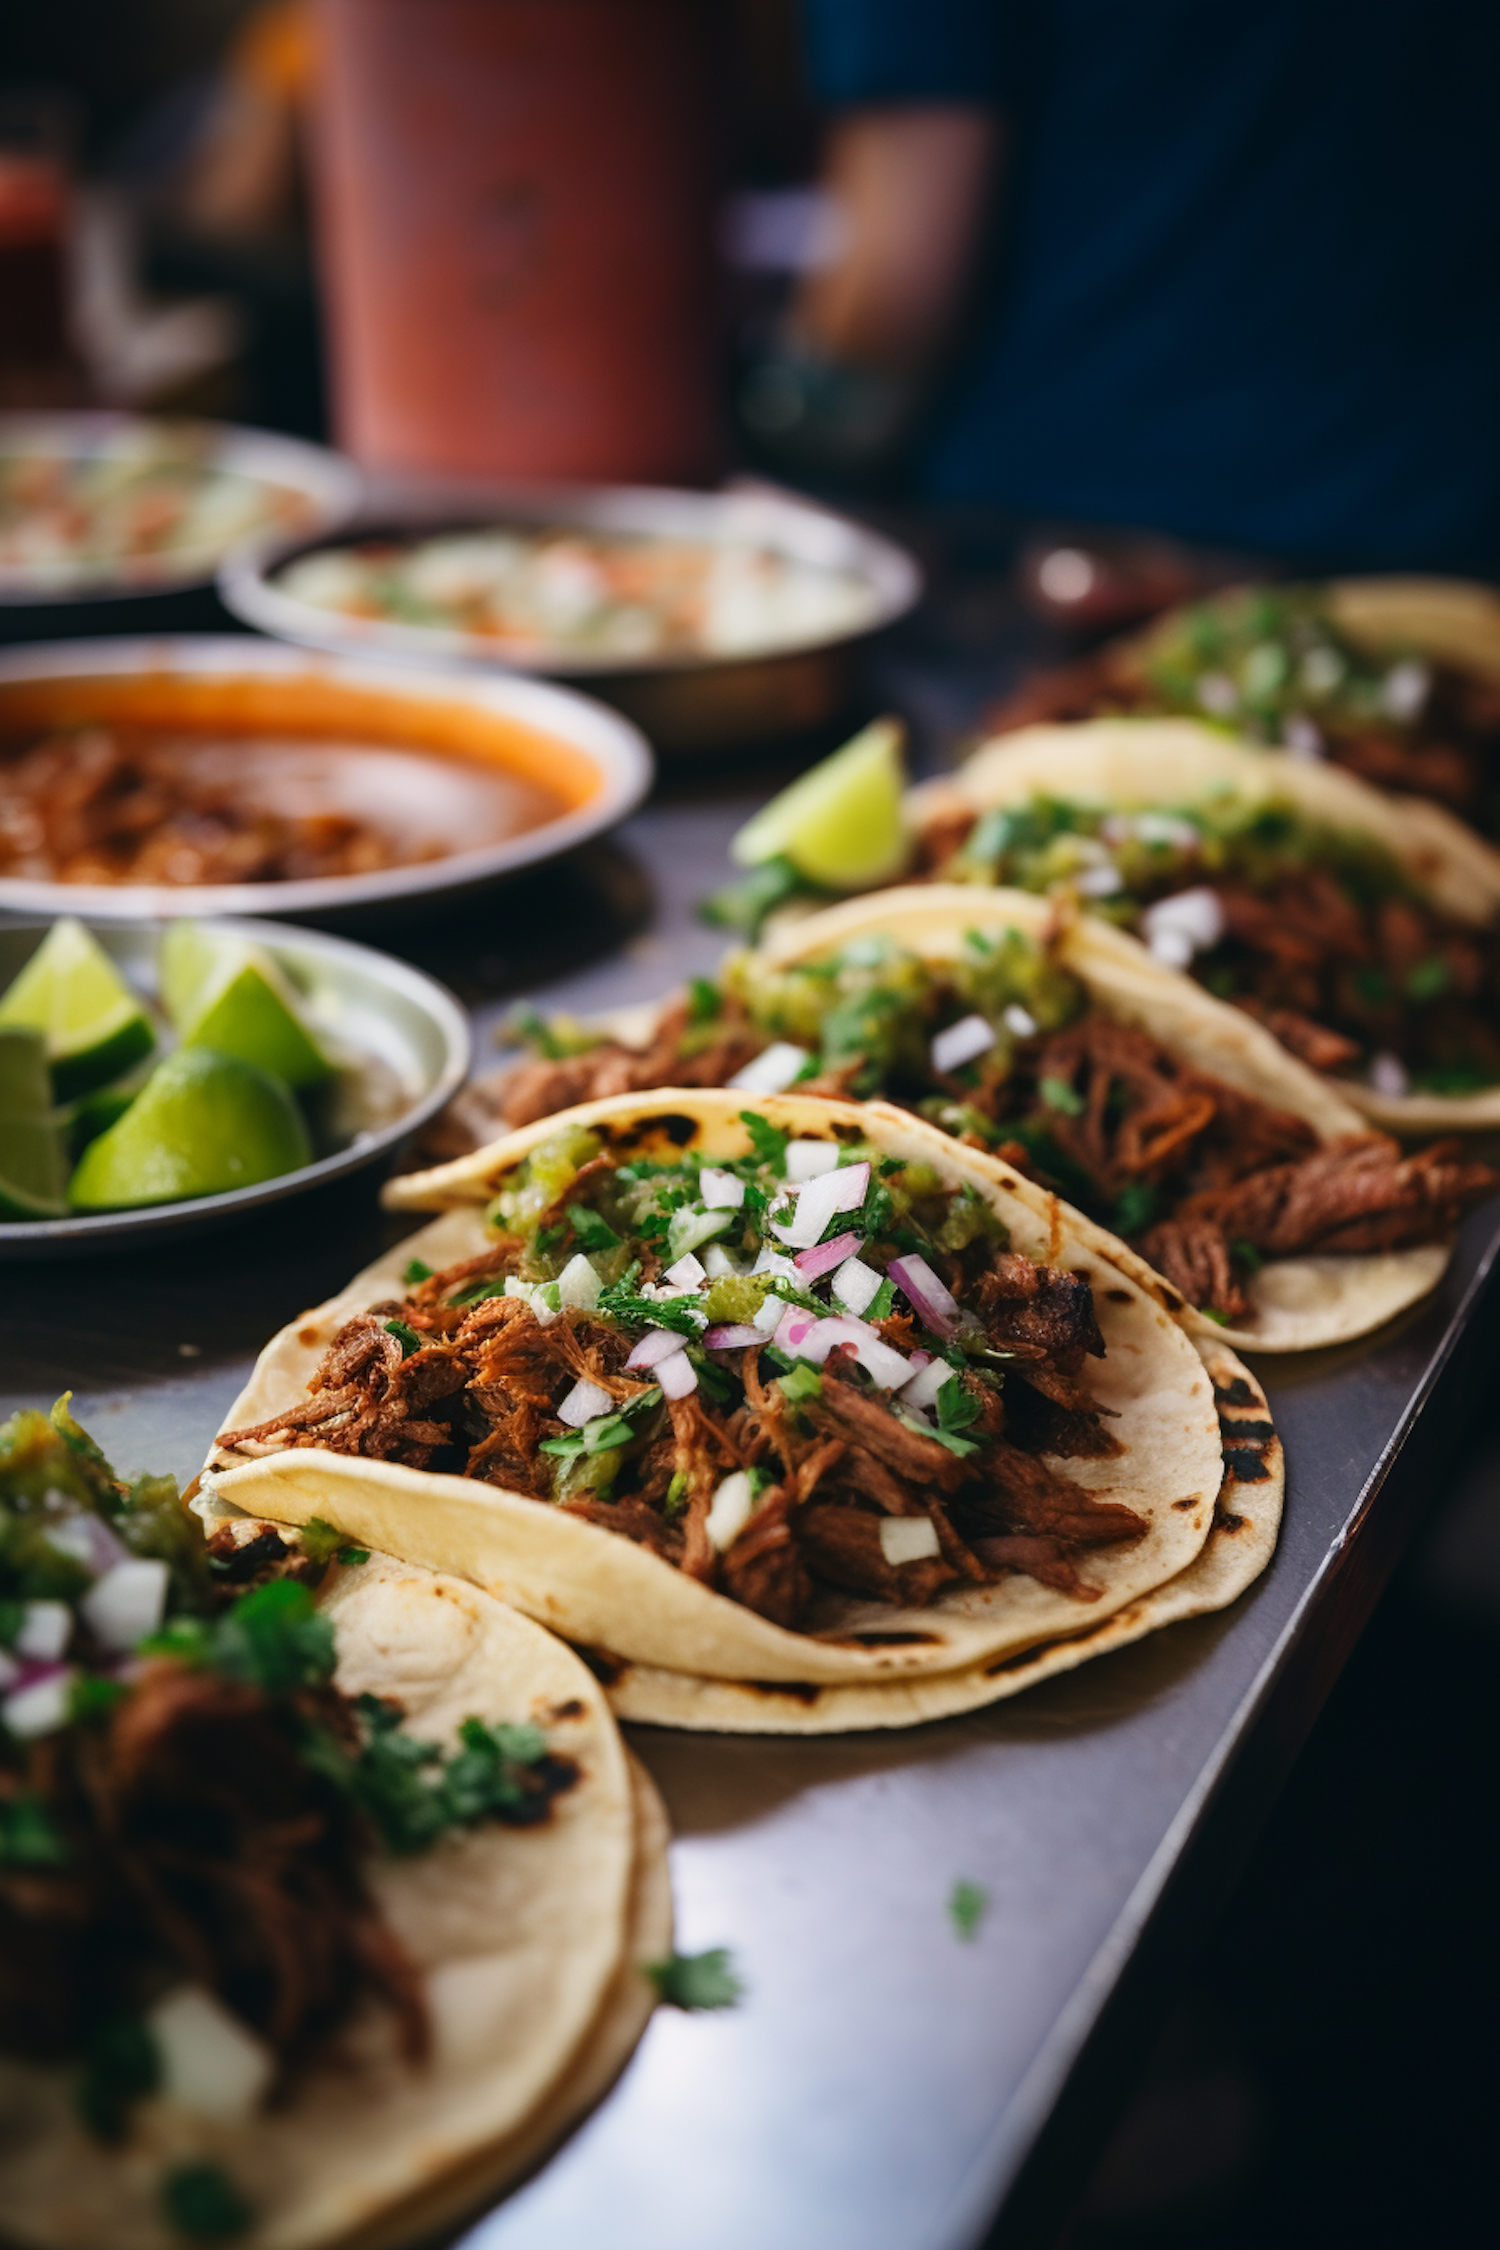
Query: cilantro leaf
[[406, 1337], [590, 1231], [1135, 1207], [803, 1382], [966, 1907], [745, 905], [416, 1271], [274, 1637], [415, 1791], [697, 1980], [767, 1141], [622, 1303], [28, 1835], [956, 1407], [121, 2066], [201, 2201], [704, 1001], [1059, 1095], [883, 1303]]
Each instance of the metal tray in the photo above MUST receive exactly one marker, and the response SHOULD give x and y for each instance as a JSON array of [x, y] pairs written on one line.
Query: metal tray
[[884, 2086]]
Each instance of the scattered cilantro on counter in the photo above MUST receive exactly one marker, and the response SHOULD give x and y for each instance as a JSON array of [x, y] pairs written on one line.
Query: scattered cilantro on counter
[[697, 1980], [966, 1907]]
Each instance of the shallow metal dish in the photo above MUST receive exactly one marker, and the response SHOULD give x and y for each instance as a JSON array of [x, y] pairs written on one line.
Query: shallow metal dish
[[612, 763], [328, 484], [684, 702], [413, 1032]]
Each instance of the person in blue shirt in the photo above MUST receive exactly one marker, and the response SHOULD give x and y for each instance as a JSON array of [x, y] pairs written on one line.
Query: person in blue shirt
[[1230, 273]]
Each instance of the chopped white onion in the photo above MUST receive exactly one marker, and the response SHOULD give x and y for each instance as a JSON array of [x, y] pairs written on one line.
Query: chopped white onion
[[718, 1264], [654, 1348], [1406, 688], [923, 1388], [730, 1509], [1193, 919], [961, 1043], [579, 1284], [806, 1159], [688, 1273], [768, 1316], [887, 1368], [905, 1539], [1218, 694], [1099, 882], [689, 1230], [676, 1375], [720, 1190], [1164, 828], [46, 1628], [772, 1071], [41, 1707], [1020, 1021], [856, 1284], [210, 2063], [821, 1200], [584, 1403], [1303, 737], [532, 1293], [87, 1539], [128, 1602], [1388, 1076]]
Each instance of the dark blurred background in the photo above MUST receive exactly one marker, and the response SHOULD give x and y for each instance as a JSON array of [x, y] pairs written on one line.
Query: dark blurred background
[[868, 194]]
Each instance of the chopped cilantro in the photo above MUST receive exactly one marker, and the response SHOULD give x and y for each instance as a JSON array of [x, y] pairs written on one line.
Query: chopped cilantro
[[415, 1791], [121, 2065], [605, 1431], [319, 1540], [696, 1980], [405, 1336], [1135, 1207], [620, 1302], [416, 1271], [546, 1240], [93, 1695], [883, 1303], [1246, 1256], [745, 905], [274, 1637], [767, 1141], [677, 1496], [28, 1835], [201, 2201], [350, 1557], [966, 1906], [1059, 1095], [704, 1001], [590, 1231], [956, 1407], [1428, 978]]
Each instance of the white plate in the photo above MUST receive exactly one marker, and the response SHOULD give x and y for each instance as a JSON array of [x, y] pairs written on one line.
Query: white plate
[[615, 749]]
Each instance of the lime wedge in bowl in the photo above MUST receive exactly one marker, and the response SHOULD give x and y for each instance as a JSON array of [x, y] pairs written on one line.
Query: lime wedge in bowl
[[202, 1124], [32, 1177], [222, 991], [92, 1024], [840, 825]]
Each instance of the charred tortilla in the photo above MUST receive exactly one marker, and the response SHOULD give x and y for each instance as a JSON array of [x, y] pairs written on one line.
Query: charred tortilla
[[1144, 1487]]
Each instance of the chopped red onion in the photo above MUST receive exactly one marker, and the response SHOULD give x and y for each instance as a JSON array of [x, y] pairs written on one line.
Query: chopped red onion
[[732, 1335], [856, 1284], [772, 1071], [798, 1333], [128, 1602], [654, 1347], [961, 1043], [806, 1159], [824, 1256], [585, 1402], [821, 1200], [720, 1190], [42, 1705], [676, 1375], [932, 1303]]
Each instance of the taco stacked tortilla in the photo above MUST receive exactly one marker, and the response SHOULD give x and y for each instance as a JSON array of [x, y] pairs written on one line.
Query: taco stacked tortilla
[[1396, 679], [321, 1908], [1362, 930], [794, 1414]]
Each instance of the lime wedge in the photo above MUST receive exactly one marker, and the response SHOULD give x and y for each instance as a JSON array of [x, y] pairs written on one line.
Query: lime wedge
[[70, 991], [225, 993], [202, 1123], [32, 1178], [839, 825]]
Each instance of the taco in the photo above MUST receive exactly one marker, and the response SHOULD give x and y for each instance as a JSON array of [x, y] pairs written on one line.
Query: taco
[[1022, 1029], [1240, 1543], [1362, 930], [796, 1393], [322, 1877], [1395, 679]]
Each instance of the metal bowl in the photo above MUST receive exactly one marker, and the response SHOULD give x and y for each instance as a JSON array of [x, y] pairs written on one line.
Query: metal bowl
[[407, 1038], [193, 674], [328, 485], [696, 702]]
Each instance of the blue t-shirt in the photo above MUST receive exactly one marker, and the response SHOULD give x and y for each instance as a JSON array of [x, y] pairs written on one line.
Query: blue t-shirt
[[1247, 277]]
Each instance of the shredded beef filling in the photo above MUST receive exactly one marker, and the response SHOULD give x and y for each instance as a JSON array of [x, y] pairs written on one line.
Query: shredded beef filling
[[480, 1394]]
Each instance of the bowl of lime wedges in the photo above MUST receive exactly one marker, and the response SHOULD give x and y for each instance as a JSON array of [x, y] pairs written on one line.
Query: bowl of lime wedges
[[160, 1078]]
